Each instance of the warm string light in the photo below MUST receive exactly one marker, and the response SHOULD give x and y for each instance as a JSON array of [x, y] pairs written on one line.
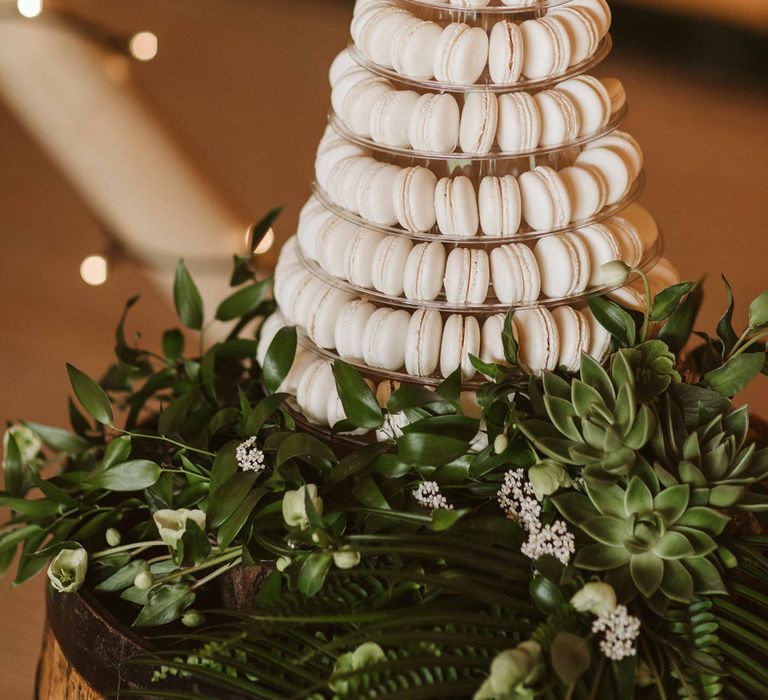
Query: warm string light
[[143, 46], [94, 270], [30, 8], [266, 243]]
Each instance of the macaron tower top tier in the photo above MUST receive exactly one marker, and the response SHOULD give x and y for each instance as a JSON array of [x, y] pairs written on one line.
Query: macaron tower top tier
[[472, 165]]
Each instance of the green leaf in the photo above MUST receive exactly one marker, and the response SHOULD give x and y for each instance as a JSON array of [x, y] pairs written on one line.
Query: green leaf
[[189, 303], [224, 465], [370, 495], [574, 507], [666, 302], [123, 578], [359, 402], [256, 418], [726, 496], [260, 229], [546, 595], [355, 462], [243, 301], [601, 557], [509, 344], [411, 396], [173, 344], [313, 573], [443, 520], [307, 447], [571, 657], [193, 547], [672, 502], [91, 396], [677, 330], [459, 427], [677, 583], [118, 451], [616, 320], [58, 439], [758, 312], [734, 376], [10, 539], [605, 529], [706, 578], [33, 509], [13, 468], [280, 357], [647, 572], [702, 518], [450, 390], [165, 604], [135, 475], [226, 500], [673, 545], [231, 529], [430, 450], [638, 498]]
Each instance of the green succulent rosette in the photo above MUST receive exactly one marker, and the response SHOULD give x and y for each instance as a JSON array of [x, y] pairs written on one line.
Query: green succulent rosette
[[594, 421], [647, 538]]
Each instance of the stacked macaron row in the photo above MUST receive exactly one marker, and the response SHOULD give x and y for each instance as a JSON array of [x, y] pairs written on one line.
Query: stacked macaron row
[[558, 266], [424, 343], [601, 175], [374, 111], [389, 36]]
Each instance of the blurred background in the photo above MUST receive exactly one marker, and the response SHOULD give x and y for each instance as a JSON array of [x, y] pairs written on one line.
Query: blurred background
[[241, 88]]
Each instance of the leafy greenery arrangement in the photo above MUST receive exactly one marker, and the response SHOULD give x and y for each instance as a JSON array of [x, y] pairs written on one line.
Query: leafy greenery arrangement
[[597, 536]]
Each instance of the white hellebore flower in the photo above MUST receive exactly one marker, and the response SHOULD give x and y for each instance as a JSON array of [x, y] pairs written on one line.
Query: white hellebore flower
[[596, 598], [346, 557], [172, 524], [27, 441], [614, 274], [67, 570], [295, 506]]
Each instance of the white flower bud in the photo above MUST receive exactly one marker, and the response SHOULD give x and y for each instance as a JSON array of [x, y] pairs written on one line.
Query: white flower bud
[[27, 441], [596, 598], [113, 537], [68, 569], [346, 557], [144, 581], [172, 524], [614, 274], [192, 618], [282, 563], [500, 444], [547, 477], [295, 506]]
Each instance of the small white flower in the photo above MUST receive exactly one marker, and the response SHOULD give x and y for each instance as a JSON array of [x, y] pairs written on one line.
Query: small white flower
[[554, 540], [295, 506], [428, 495], [172, 524], [614, 274], [67, 570], [249, 457], [27, 441], [620, 632], [518, 501], [596, 598]]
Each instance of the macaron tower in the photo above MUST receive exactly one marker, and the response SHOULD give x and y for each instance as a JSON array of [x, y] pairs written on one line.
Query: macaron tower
[[473, 164]]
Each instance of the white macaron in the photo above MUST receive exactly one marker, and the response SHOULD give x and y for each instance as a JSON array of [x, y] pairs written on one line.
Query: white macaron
[[316, 385], [591, 100], [391, 118], [616, 92], [461, 55], [358, 104], [350, 328], [560, 120], [599, 9], [546, 204], [505, 55], [344, 179], [456, 207], [358, 254], [573, 329], [539, 340], [301, 362], [384, 339], [520, 123], [343, 86], [583, 32], [603, 248], [321, 320], [374, 194], [645, 225], [614, 168], [547, 47], [479, 122], [331, 157], [625, 145], [467, 276], [343, 63], [435, 123], [413, 50], [500, 206], [492, 344], [424, 270], [332, 242], [587, 189], [630, 244], [564, 265], [599, 337], [515, 274], [377, 33], [414, 199], [388, 265], [303, 298], [422, 343], [267, 332], [461, 338]]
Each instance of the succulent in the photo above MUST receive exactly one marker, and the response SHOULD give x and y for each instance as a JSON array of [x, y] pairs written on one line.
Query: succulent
[[713, 458], [647, 537], [595, 421], [653, 366]]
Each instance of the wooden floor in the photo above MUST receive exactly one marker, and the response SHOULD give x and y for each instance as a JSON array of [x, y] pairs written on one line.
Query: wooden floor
[[244, 86]]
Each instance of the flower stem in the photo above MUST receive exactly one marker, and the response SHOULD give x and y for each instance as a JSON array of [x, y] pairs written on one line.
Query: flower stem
[[163, 438], [215, 574], [598, 679], [648, 305], [654, 669], [748, 345], [226, 557], [127, 548]]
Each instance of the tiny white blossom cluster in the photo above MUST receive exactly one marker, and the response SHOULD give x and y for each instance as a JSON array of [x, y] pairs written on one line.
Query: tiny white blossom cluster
[[429, 496], [250, 458], [518, 501], [620, 631]]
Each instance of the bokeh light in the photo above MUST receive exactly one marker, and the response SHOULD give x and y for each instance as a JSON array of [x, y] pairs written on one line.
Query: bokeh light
[[94, 270], [143, 46]]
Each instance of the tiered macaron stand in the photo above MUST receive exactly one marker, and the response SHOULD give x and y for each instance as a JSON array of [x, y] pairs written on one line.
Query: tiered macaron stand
[[300, 260]]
